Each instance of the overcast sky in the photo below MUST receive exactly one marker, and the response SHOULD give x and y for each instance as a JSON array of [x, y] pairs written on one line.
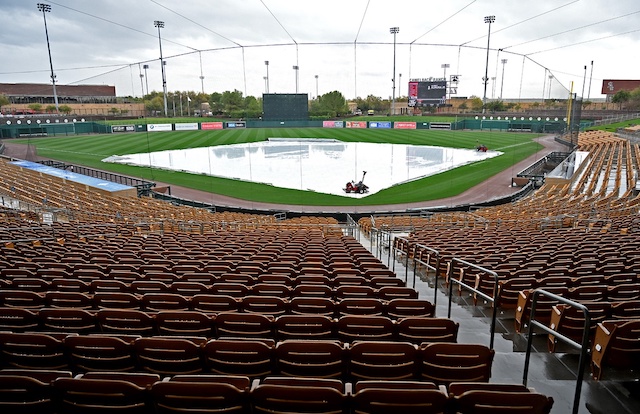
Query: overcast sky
[[346, 43]]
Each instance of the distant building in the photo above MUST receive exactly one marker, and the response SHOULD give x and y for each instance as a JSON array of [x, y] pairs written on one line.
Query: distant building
[[611, 86], [42, 93]]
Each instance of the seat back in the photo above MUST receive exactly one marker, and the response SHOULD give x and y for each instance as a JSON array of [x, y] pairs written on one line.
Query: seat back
[[394, 400], [251, 358], [497, 402], [168, 356], [420, 329], [382, 360], [318, 359], [198, 397], [99, 353], [80, 395], [444, 363]]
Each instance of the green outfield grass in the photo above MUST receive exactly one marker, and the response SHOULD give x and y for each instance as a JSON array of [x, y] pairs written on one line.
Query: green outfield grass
[[89, 150], [616, 126]]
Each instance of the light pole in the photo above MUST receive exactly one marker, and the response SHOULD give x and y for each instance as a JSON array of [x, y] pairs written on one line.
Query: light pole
[[394, 31], [487, 19], [504, 62], [590, 77], [266, 63], [296, 67], [550, 79], [445, 66], [493, 87], [141, 82], [265, 83], [160, 25], [584, 80], [201, 75], [46, 8], [146, 78], [316, 86]]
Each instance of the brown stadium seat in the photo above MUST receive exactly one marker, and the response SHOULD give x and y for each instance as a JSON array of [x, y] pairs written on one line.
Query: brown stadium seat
[[351, 328], [99, 353], [205, 395], [244, 325], [615, 345], [407, 397], [424, 329], [444, 363], [311, 358], [299, 395], [184, 323], [402, 308], [382, 360], [81, 395], [308, 326], [168, 356], [251, 358]]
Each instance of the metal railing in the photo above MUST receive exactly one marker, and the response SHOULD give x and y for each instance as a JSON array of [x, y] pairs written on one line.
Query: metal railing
[[402, 246], [491, 299], [419, 253], [583, 346]]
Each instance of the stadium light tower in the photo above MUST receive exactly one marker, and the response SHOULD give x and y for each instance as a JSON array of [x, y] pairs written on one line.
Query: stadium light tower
[[141, 81], [46, 8], [146, 78], [160, 25], [266, 63], [316, 86], [296, 68], [394, 31], [445, 66], [504, 62], [487, 19]]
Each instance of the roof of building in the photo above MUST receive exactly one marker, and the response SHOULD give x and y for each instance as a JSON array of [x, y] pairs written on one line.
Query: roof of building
[[44, 89]]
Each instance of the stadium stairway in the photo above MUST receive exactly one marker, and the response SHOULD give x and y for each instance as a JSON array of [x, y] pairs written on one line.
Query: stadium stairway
[[552, 374]]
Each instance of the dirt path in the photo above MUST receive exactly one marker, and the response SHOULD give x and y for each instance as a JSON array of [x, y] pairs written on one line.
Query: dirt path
[[495, 187]]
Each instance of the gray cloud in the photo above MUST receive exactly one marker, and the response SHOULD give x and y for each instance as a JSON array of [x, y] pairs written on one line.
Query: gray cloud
[[107, 48]]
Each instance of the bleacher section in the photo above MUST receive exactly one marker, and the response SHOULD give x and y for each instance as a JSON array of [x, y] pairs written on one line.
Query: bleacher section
[[131, 304]]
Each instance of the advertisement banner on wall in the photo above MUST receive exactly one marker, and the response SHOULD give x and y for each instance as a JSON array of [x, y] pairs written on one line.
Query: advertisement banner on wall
[[380, 125], [187, 126], [159, 127], [123, 128], [239, 124], [211, 125], [332, 124], [404, 125], [356, 124]]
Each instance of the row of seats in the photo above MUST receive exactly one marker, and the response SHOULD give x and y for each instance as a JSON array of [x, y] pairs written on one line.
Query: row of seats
[[139, 268], [440, 362], [619, 291], [272, 299], [200, 282], [602, 308], [346, 328], [58, 392]]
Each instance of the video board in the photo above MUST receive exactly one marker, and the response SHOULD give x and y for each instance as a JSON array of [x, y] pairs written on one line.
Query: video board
[[427, 92], [285, 106]]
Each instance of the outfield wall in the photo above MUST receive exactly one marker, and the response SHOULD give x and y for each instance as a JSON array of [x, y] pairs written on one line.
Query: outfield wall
[[22, 128]]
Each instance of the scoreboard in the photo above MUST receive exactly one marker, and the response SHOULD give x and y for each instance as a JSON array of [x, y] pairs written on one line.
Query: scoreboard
[[285, 106], [428, 92]]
